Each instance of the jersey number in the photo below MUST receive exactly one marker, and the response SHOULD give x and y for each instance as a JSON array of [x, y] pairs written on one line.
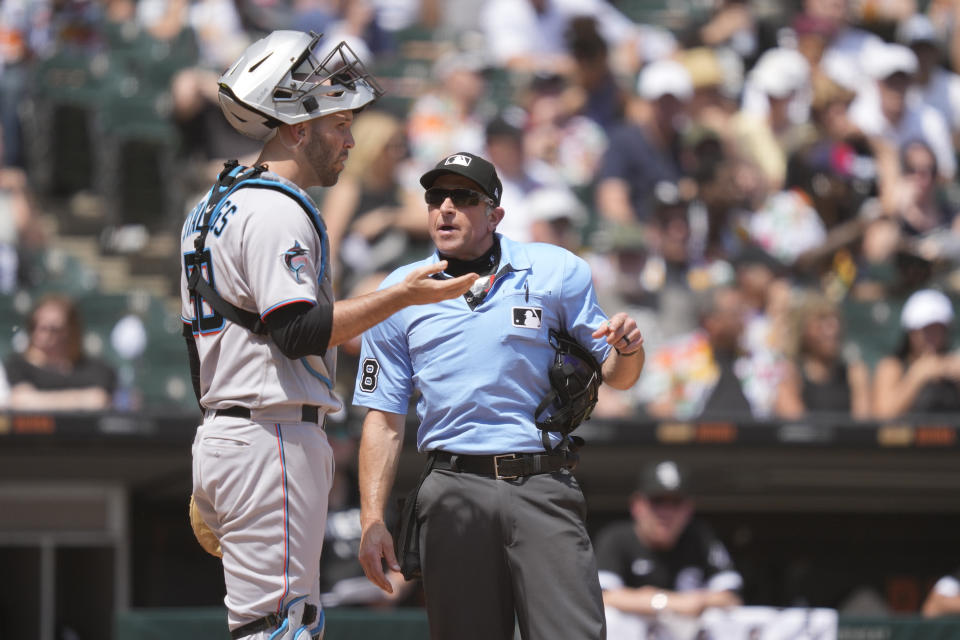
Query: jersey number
[[368, 376], [205, 317]]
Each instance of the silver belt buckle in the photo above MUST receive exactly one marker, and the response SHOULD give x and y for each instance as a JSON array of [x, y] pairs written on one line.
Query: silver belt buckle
[[496, 466]]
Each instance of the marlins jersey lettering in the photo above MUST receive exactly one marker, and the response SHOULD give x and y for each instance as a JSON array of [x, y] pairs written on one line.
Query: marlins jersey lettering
[[262, 253]]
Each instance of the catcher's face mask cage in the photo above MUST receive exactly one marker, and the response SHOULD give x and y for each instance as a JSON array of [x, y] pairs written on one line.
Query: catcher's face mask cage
[[282, 79], [575, 379]]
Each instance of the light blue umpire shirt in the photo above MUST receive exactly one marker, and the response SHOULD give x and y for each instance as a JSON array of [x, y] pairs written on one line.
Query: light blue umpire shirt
[[481, 373]]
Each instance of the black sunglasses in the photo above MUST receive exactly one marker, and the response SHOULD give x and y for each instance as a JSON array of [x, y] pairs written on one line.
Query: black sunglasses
[[461, 197]]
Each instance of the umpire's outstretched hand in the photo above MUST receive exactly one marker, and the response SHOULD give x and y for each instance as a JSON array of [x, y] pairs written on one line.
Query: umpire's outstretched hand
[[422, 288], [376, 543]]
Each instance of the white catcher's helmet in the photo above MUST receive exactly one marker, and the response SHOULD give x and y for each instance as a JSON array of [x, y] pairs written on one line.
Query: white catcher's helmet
[[279, 79]]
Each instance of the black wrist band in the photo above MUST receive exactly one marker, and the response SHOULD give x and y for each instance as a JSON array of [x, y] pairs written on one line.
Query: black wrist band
[[625, 355]]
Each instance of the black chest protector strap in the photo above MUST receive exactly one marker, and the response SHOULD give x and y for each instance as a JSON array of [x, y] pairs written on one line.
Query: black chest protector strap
[[226, 183], [231, 178]]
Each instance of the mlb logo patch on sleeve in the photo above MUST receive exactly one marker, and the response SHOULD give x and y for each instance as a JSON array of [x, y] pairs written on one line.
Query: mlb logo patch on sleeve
[[529, 317]]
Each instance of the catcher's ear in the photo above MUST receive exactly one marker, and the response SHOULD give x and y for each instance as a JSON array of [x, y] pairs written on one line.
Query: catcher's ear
[[291, 135]]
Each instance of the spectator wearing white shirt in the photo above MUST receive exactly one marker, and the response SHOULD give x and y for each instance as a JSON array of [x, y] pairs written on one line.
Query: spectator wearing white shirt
[[933, 84], [528, 35], [842, 58], [882, 110]]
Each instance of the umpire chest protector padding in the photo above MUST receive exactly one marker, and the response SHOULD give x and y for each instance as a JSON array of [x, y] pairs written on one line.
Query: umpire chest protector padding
[[575, 378]]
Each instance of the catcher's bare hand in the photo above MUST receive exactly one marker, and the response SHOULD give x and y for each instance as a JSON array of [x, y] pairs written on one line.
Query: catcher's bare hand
[[422, 289], [376, 543]]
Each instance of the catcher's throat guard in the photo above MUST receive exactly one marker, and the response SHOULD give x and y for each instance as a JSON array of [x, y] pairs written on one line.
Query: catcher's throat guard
[[575, 378]]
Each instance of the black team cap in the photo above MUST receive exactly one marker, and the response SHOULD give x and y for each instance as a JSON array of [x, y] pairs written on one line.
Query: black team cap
[[664, 478], [470, 166]]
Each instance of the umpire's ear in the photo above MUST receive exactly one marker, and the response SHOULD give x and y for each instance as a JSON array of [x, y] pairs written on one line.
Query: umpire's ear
[[494, 216]]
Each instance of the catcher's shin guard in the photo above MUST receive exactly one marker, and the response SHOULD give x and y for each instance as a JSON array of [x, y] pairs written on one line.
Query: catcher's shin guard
[[300, 621]]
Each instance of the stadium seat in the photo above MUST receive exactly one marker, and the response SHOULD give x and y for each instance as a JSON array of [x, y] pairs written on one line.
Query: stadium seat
[[502, 87], [873, 327], [665, 13], [136, 150], [57, 122]]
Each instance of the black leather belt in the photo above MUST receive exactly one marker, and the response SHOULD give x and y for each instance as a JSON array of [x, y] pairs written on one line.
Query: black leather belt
[[266, 623], [505, 466], [308, 413], [271, 621]]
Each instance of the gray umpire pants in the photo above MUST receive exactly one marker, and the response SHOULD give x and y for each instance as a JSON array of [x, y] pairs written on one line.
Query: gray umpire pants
[[495, 550]]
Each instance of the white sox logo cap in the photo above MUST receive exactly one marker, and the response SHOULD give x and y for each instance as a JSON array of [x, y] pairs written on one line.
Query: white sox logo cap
[[470, 166], [663, 477]]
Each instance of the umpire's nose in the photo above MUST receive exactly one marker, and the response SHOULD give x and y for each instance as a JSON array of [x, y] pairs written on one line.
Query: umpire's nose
[[447, 205]]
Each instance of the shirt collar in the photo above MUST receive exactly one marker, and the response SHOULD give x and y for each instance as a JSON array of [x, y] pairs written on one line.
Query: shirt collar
[[512, 253]]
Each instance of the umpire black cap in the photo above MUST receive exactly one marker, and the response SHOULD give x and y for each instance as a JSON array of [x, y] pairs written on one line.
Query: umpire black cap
[[470, 166], [662, 478]]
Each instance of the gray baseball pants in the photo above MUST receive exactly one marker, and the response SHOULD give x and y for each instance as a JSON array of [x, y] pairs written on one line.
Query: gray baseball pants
[[495, 551]]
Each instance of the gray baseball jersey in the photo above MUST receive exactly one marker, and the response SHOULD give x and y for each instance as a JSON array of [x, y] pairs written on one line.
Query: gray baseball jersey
[[262, 253]]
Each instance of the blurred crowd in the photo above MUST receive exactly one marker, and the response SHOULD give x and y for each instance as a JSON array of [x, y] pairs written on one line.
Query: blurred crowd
[[750, 179]]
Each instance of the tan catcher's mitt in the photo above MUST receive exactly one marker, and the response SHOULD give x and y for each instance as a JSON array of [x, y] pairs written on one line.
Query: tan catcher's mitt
[[207, 538]]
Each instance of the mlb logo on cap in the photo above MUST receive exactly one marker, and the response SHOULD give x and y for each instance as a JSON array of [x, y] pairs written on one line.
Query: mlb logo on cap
[[458, 159], [470, 166]]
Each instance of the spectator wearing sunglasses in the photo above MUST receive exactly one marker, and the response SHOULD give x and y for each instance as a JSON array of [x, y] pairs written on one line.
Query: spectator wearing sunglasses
[[663, 559], [480, 364]]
